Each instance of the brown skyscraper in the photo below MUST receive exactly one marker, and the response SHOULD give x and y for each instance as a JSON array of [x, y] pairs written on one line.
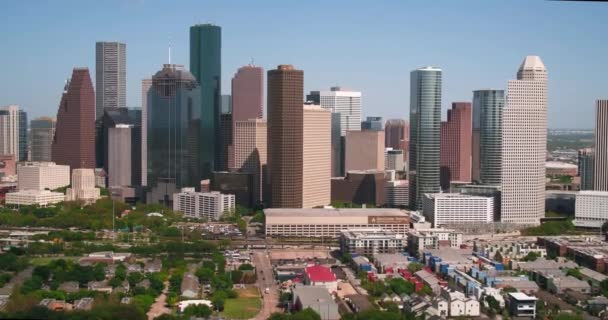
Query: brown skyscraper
[[285, 136], [247, 93], [456, 136], [74, 142]]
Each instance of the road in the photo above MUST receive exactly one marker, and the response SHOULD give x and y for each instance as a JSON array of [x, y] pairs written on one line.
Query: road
[[160, 304], [265, 279]]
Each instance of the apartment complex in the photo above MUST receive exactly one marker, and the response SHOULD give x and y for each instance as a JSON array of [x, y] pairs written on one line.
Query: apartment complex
[[446, 209], [203, 205]]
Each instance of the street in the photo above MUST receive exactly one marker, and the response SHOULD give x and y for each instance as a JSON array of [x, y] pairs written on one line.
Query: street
[[265, 279], [159, 307]]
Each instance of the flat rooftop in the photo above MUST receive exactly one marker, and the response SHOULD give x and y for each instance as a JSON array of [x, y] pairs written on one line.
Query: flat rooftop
[[335, 212], [520, 296]]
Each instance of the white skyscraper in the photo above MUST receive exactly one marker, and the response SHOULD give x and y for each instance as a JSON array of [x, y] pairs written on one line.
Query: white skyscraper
[[316, 179], [525, 145], [345, 102], [9, 130], [600, 178], [111, 76]]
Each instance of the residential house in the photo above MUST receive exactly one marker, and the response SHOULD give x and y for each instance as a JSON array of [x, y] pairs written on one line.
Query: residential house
[[69, 286], [153, 266], [316, 298], [318, 275], [101, 286], [190, 286], [83, 304]]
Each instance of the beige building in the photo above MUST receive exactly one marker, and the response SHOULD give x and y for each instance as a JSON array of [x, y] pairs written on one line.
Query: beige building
[[83, 186], [250, 150], [34, 197], [364, 150], [316, 179], [329, 223], [42, 175]]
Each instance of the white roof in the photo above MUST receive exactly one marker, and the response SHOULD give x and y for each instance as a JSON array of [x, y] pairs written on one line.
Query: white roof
[[521, 296], [532, 63]]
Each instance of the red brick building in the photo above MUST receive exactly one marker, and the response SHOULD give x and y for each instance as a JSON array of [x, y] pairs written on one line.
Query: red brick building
[[456, 144]]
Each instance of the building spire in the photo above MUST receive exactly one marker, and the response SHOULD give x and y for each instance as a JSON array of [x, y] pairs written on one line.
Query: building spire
[[169, 48]]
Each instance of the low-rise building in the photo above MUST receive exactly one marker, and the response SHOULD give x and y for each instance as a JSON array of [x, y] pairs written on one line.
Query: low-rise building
[[559, 284], [461, 305], [203, 205], [101, 286], [317, 299], [358, 302], [320, 276], [420, 240], [522, 305], [447, 209], [83, 187], [41, 198], [430, 280], [393, 261], [371, 241], [84, 304], [329, 222], [190, 286], [42, 176], [154, 265], [591, 209]]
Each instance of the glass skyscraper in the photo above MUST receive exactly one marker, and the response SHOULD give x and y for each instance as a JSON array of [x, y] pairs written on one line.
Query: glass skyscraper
[[487, 123], [206, 66], [173, 128], [425, 129]]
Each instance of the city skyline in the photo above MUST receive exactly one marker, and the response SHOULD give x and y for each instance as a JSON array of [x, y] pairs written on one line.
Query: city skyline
[[385, 94]]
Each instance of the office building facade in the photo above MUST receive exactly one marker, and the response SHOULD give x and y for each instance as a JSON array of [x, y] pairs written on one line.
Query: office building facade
[[83, 187], [446, 209], [285, 136], [124, 155], [42, 131], [111, 76], [525, 145], [248, 93], [360, 187], [488, 107], [74, 141], [337, 147], [13, 132], [456, 136], [146, 84], [397, 134], [343, 101], [203, 205], [42, 175], [425, 129], [372, 123], [316, 176], [591, 209], [251, 151], [586, 168], [600, 180], [206, 66], [364, 150]]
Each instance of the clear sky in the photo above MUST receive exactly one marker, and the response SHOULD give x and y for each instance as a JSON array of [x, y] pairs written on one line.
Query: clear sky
[[366, 45]]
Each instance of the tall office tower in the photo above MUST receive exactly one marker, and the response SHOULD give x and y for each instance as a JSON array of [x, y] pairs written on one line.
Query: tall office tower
[[488, 105], [248, 93], [425, 129], [123, 154], [23, 135], [111, 76], [600, 181], [206, 66], [337, 156], [42, 131], [456, 134], [146, 84], [250, 151], [343, 101], [396, 134], [119, 148], [226, 103], [364, 150], [524, 148], [316, 177], [174, 132], [586, 167], [227, 147], [74, 141], [10, 131], [285, 136], [372, 123]]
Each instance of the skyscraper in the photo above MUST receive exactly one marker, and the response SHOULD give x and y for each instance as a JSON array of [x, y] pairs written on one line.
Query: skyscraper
[[285, 135], [119, 148], [206, 66], [456, 134], [13, 132], [251, 151], [248, 93], [226, 159], [74, 141], [396, 133], [111, 76], [42, 131], [600, 181], [364, 150], [146, 84], [425, 129], [372, 123], [343, 101], [316, 177], [174, 126], [525, 145], [337, 148], [488, 107], [586, 168]]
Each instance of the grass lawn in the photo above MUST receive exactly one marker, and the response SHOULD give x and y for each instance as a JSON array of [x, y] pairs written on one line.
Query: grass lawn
[[246, 306], [40, 261]]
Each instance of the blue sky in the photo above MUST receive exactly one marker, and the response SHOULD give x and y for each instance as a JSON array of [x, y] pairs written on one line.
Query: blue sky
[[365, 45]]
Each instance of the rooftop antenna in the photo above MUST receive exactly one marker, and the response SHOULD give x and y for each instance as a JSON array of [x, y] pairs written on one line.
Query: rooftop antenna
[[251, 63], [169, 48]]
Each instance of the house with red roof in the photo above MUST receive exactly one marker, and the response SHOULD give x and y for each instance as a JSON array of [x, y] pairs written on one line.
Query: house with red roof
[[321, 276]]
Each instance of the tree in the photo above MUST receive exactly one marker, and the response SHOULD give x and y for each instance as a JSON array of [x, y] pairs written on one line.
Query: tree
[[508, 289], [575, 272], [415, 267], [218, 302], [198, 310], [400, 286], [498, 257], [134, 278], [245, 267], [493, 304], [205, 274], [531, 256]]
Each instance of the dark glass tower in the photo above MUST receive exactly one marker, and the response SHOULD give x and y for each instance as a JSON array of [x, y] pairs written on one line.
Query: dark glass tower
[[206, 66], [22, 135], [487, 124], [425, 129], [173, 128]]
